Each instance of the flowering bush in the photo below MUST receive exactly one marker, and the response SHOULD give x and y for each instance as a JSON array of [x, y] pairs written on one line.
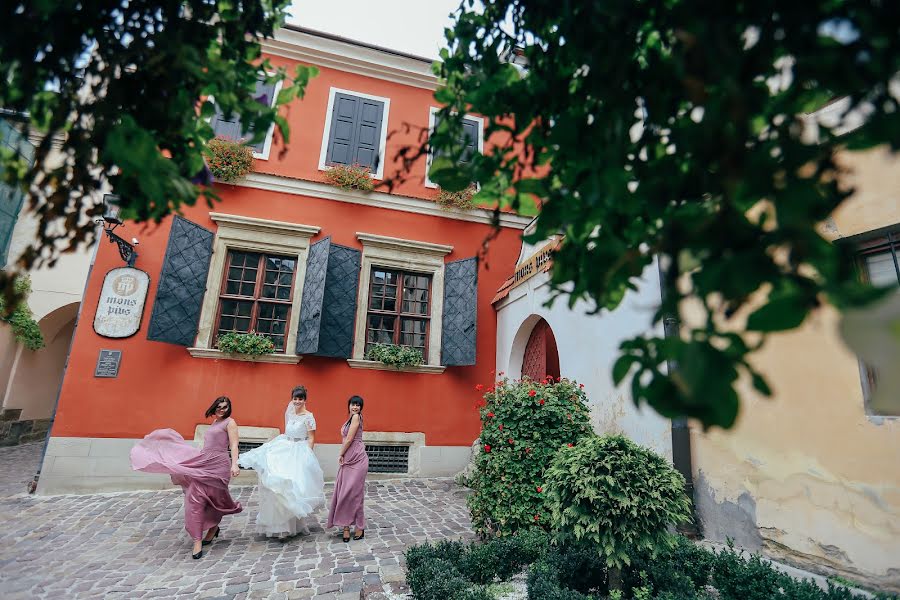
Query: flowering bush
[[350, 177], [229, 161], [396, 356], [523, 424], [461, 199], [252, 344]]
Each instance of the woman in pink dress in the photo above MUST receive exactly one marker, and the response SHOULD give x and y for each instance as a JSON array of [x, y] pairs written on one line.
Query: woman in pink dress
[[350, 484], [202, 474]]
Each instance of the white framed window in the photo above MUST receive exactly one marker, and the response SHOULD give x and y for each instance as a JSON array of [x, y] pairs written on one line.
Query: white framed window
[[472, 137], [231, 128], [355, 131], [879, 262], [237, 299], [420, 262]]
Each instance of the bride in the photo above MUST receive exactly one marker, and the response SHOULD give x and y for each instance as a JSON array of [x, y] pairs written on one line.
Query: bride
[[290, 478]]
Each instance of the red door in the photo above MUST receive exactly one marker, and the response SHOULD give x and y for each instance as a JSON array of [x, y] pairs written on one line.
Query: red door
[[541, 356]]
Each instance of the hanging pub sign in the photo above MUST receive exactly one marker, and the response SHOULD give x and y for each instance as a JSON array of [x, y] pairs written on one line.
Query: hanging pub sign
[[121, 304], [538, 262]]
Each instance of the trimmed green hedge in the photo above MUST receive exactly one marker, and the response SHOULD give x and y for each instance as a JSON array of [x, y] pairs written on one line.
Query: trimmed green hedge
[[460, 571]]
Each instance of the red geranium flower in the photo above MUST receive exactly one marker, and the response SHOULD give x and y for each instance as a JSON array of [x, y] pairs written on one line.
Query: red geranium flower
[[536, 517], [512, 441], [490, 415], [541, 401], [479, 387], [532, 393], [581, 385], [487, 447], [570, 445], [528, 450], [501, 427], [540, 489]]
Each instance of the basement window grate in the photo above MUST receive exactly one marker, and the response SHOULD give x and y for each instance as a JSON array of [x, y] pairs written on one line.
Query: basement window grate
[[388, 459], [244, 447]]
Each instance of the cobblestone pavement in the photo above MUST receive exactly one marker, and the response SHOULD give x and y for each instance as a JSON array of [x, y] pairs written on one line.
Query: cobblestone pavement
[[133, 545], [18, 464]]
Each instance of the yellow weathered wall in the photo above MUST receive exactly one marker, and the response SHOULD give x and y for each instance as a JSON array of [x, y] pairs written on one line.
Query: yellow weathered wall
[[807, 476]]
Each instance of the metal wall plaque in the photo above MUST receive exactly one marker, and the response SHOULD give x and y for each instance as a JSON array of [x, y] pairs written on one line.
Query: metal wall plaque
[[108, 363], [121, 303]]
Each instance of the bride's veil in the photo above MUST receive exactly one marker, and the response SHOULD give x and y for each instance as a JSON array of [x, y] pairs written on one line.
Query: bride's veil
[[290, 413]]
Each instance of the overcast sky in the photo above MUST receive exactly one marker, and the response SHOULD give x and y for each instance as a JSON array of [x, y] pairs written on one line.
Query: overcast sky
[[412, 26]]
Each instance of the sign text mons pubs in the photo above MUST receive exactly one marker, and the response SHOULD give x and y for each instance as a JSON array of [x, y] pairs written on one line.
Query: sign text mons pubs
[[538, 262], [121, 303]]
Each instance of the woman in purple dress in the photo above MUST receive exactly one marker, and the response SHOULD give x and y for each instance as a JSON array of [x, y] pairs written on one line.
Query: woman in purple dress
[[202, 474], [350, 485]]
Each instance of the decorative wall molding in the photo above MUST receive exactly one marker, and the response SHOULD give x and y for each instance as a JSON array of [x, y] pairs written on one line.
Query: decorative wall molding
[[288, 359], [400, 245], [326, 51], [380, 366], [314, 189]]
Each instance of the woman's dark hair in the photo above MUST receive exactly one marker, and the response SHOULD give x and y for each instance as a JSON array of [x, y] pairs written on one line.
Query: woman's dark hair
[[354, 400], [212, 407], [299, 392]]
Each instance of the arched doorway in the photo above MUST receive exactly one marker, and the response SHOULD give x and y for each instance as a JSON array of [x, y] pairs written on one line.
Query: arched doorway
[[541, 357], [35, 377]]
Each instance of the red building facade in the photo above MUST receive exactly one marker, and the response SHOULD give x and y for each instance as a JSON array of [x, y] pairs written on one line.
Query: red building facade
[[324, 272]]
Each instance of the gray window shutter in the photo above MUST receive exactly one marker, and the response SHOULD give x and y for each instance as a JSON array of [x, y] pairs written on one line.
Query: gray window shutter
[[182, 284], [11, 198], [468, 139], [328, 309], [230, 128], [355, 136], [460, 312]]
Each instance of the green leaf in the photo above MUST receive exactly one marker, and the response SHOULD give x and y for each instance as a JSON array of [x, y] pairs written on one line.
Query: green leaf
[[778, 314]]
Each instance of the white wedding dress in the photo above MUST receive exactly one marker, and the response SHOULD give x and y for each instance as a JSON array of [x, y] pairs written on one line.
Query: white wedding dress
[[291, 483]]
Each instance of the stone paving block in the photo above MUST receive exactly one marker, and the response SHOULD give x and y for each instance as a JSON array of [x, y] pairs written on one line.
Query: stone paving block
[[133, 544]]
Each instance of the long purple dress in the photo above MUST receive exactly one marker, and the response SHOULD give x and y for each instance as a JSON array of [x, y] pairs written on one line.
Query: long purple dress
[[202, 474], [350, 484]]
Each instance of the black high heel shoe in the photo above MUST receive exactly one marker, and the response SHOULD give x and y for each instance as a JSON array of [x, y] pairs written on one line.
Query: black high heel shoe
[[210, 541], [360, 536], [198, 555], [346, 537]]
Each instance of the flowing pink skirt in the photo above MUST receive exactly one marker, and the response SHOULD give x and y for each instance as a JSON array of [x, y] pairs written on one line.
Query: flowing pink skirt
[[350, 489], [202, 474]]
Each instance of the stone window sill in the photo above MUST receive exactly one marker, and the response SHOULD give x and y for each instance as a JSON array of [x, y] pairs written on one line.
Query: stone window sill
[[285, 359], [356, 363]]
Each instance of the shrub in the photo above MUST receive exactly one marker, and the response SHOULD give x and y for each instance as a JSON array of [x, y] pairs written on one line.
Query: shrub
[[20, 318], [523, 424], [615, 496], [461, 199], [501, 558], [229, 161], [680, 571], [350, 177], [448, 550], [394, 355], [457, 571], [436, 579], [570, 573], [252, 344]]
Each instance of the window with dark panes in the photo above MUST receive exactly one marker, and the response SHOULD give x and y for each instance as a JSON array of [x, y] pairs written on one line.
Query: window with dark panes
[[230, 127], [468, 139], [256, 295], [879, 261], [399, 309]]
